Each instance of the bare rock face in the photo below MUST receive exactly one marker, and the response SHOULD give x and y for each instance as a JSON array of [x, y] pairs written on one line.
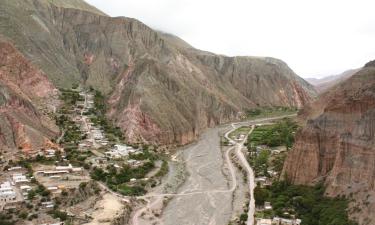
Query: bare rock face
[[159, 88], [24, 92], [336, 144]]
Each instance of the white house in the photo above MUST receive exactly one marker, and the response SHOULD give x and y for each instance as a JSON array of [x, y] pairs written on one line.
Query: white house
[[19, 178], [7, 193], [264, 222]]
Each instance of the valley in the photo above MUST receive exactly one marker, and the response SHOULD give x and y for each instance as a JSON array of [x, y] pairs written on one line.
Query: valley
[[106, 120]]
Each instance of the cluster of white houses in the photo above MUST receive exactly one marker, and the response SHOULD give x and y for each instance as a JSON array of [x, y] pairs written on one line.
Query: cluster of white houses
[[121, 151], [15, 189], [7, 192]]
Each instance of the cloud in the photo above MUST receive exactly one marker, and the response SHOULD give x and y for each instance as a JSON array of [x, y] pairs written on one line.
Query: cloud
[[315, 38]]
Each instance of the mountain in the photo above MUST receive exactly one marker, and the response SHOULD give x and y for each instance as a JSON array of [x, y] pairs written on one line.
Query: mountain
[[159, 88], [24, 90], [325, 83], [337, 144]]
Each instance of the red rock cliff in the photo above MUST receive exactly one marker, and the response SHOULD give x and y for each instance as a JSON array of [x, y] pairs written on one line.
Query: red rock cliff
[[337, 144], [24, 94]]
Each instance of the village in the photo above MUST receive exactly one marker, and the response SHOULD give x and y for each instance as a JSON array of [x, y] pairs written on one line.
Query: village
[[87, 144], [266, 162]]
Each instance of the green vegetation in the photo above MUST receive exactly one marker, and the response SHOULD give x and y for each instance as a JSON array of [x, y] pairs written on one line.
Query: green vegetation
[[131, 190], [243, 218], [70, 97], [260, 162], [59, 214], [112, 133], [72, 133], [116, 179], [307, 203], [163, 169], [279, 134], [6, 219], [269, 112]]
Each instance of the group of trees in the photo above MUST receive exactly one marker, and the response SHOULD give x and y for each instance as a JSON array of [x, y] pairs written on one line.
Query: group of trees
[[308, 203], [72, 133], [70, 97], [116, 179], [279, 134], [113, 133]]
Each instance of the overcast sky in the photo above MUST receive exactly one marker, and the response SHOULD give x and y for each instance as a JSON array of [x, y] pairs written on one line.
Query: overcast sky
[[316, 38]]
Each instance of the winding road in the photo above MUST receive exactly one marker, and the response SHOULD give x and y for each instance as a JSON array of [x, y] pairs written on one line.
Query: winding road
[[249, 171]]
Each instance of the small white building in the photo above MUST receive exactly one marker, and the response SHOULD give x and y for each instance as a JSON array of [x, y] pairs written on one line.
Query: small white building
[[264, 222], [283, 221], [69, 167], [14, 168], [267, 206], [49, 153], [25, 188], [19, 178], [7, 193], [48, 205], [120, 151]]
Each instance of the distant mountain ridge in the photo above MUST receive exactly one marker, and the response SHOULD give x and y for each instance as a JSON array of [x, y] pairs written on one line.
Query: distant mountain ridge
[[159, 88], [325, 83]]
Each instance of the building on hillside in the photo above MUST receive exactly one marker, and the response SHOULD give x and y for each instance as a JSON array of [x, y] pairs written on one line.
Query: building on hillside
[[50, 153]]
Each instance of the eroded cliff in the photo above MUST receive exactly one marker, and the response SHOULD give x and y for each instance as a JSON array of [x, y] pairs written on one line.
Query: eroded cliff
[[25, 94], [336, 145]]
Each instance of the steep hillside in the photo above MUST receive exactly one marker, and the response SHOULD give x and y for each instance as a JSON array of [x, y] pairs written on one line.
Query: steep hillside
[[159, 88], [24, 92], [324, 84], [337, 144]]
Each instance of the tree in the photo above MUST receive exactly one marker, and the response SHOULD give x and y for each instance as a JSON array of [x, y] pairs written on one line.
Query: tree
[[261, 195]]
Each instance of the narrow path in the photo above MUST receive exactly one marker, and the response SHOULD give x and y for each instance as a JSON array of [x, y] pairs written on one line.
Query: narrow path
[[250, 176]]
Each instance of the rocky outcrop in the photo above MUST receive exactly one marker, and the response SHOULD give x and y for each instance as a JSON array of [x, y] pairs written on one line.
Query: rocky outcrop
[[336, 145], [24, 94], [159, 88]]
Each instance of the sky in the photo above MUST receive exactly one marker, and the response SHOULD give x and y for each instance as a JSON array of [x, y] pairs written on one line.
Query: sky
[[315, 38]]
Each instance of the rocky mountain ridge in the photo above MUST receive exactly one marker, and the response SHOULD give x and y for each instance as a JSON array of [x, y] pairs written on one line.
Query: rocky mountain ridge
[[336, 145], [159, 88], [325, 83]]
